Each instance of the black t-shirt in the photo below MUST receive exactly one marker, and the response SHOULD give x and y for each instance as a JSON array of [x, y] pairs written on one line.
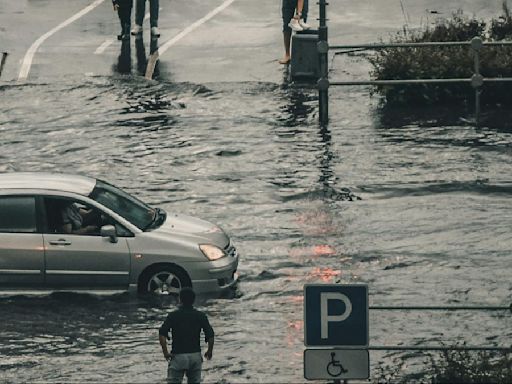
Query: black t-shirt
[[186, 324]]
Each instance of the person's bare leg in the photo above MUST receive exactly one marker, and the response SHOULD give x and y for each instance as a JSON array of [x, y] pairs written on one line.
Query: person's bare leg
[[287, 36], [300, 7]]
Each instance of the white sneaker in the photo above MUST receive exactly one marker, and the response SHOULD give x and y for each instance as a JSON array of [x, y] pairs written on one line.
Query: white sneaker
[[304, 25], [137, 29], [155, 32], [295, 26]]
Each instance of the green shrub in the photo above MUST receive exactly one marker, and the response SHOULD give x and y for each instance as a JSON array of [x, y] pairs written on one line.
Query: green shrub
[[470, 367], [450, 367], [446, 62]]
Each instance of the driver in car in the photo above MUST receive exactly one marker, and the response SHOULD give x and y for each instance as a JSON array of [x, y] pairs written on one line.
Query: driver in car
[[78, 221]]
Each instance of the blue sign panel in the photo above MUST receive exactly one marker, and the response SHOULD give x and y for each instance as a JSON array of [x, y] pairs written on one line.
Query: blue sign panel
[[336, 315]]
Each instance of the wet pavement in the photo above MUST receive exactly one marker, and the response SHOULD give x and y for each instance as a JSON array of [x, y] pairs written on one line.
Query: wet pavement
[[414, 203]]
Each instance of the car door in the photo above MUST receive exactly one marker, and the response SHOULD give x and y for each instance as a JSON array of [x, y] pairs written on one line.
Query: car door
[[85, 261], [21, 246]]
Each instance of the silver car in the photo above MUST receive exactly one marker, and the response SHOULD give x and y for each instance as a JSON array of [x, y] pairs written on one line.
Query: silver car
[[73, 232]]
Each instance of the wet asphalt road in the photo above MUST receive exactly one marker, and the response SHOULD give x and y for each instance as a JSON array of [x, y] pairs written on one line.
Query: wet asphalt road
[[239, 43], [432, 226]]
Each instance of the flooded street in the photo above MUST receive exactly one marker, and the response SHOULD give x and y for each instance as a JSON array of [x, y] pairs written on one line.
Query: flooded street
[[415, 204]]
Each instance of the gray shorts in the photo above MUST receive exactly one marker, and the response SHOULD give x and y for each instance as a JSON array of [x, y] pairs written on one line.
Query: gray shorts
[[185, 363], [288, 11]]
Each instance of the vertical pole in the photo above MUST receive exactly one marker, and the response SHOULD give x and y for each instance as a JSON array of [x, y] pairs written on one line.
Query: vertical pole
[[477, 79], [323, 49], [2, 61]]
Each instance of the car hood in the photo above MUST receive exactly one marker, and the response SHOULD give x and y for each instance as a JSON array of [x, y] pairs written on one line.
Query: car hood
[[193, 229]]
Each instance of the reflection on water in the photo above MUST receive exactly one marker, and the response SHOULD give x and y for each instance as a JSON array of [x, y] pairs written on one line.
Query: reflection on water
[[124, 60], [149, 68], [143, 64]]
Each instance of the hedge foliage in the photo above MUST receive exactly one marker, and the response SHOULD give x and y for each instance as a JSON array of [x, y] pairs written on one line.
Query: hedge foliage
[[447, 62]]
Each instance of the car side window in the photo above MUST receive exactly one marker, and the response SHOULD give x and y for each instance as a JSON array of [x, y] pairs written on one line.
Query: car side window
[[75, 217], [70, 216], [18, 214]]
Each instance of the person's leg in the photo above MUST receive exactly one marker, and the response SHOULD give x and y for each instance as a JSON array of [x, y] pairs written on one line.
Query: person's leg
[[305, 9], [176, 369], [194, 368], [302, 14], [287, 38], [140, 10], [153, 12], [124, 12], [287, 12], [300, 6]]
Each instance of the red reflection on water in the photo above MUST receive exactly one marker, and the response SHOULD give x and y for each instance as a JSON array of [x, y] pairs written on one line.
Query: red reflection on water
[[297, 299], [317, 223], [323, 250], [325, 274], [297, 325], [294, 332], [314, 251]]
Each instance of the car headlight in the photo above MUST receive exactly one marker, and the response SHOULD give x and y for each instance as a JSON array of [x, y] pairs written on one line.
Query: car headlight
[[212, 252]]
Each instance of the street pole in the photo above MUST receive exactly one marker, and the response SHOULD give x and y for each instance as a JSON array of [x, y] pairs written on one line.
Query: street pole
[[477, 79], [323, 50], [2, 62]]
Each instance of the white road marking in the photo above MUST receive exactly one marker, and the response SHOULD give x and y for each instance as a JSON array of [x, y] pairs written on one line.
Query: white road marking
[[103, 46], [29, 56], [194, 26]]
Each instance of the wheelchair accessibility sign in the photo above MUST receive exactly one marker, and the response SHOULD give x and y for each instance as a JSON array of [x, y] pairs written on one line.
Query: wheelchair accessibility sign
[[336, 315], [342, 364]]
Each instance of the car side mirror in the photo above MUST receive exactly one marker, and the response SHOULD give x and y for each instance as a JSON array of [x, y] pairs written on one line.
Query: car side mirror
[[109, 231]]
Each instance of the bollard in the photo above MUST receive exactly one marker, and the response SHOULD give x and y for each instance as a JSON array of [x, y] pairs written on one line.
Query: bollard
[[323, 49], [477, 80]]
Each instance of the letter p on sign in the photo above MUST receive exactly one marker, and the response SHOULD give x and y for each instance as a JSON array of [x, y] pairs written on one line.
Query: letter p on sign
[[336, 315], [325, 318]]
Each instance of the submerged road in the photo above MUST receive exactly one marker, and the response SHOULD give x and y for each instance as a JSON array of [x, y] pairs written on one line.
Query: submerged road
[[218, 40], [221, 136]]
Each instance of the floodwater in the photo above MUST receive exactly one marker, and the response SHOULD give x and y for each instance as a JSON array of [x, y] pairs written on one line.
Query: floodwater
[[414, 203]]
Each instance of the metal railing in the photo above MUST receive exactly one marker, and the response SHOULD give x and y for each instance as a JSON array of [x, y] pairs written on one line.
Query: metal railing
[[476, 80], [441, 347], [501, 308], [443, 308]]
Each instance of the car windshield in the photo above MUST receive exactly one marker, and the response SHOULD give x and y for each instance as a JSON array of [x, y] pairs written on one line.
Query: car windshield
[[132, 209]]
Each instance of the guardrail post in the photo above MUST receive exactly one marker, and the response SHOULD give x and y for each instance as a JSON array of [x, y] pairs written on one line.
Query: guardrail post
[[477, 79], [2, 62], [323, 49]]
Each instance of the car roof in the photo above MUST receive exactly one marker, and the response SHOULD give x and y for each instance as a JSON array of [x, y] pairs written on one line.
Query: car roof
[[82, 185]]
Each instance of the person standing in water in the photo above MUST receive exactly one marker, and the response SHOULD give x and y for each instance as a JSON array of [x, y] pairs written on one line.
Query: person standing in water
[[124, 11], [294, 14], [185, 325]]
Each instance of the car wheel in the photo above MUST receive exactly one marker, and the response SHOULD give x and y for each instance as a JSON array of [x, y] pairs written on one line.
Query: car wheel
[[165, 280]]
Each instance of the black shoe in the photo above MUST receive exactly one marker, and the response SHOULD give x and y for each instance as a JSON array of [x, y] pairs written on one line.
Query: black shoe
[[123, 36]]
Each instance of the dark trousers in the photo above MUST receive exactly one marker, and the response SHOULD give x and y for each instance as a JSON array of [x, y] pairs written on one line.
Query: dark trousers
[[140, 9], [125, 15]]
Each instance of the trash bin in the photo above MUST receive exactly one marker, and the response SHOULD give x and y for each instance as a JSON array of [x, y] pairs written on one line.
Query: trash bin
[[304, 61]]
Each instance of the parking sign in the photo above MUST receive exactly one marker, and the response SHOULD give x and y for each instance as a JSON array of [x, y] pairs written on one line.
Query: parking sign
[[336, 315]]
